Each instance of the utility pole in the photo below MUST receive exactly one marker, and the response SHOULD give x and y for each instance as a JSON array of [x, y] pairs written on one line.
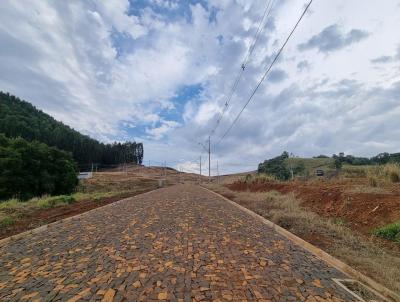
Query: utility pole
[[217, 173], [200, 170], [209, 158]]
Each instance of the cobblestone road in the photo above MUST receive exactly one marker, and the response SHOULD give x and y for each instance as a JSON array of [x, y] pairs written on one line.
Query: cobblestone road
[[178, 244]]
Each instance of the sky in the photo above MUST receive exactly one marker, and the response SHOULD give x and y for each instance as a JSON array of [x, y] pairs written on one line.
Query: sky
[[161, 71]]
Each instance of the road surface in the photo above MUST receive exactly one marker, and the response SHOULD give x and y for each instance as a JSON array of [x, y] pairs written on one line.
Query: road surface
[[180, 243]]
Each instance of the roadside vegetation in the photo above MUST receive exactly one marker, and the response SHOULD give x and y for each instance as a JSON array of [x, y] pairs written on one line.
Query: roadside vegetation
[[41, 156], [17, 215], [390, 232], [330, 234]]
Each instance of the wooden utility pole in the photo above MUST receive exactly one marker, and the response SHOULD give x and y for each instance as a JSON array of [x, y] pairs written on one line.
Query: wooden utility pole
[[217, 173], [209, 158], [200, 170]]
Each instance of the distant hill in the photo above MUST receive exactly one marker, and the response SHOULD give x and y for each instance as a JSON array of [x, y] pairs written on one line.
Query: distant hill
[[19, 118], [284, 166]]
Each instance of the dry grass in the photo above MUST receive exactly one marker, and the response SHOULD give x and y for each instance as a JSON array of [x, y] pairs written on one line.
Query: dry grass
[[367, 190], [258, 178], [12, 210], [364, 254], [113, 182], [384, 175], [100, 187], [348, 171]]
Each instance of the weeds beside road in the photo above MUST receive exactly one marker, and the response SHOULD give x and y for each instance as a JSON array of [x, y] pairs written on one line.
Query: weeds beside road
[[102, 189], [364, 254]]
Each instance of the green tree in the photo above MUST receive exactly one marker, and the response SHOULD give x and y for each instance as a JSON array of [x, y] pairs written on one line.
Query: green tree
[[20, 119], [29, 169]]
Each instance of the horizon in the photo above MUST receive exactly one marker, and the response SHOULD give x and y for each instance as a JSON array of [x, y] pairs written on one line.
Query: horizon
[[159, 72]]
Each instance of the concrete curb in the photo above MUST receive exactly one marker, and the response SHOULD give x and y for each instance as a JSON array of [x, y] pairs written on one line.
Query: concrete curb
[[43, 228], [339, 265]]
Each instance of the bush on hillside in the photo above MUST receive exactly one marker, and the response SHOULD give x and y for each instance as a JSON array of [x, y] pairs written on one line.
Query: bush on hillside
[[390, 232], [29, 169]]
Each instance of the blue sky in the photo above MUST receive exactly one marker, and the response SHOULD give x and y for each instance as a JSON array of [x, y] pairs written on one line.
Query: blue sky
[[159, 72]]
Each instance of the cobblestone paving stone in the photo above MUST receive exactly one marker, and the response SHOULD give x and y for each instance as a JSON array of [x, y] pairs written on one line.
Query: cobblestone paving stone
[[177, 244]]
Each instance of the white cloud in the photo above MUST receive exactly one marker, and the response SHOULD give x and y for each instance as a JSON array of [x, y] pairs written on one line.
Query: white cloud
[[104, 71], [162, 130]]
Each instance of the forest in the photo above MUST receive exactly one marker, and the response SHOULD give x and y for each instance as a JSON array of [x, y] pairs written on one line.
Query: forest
[[29, 169], [19, 118]]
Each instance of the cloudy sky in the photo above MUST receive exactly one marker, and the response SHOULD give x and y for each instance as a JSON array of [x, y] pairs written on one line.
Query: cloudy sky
[[160, 72]]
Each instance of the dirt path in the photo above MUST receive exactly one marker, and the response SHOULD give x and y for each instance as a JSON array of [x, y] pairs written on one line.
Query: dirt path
[[178, 244]]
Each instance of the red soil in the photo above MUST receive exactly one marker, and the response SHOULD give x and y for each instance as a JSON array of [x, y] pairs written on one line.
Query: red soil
[[362, 212]]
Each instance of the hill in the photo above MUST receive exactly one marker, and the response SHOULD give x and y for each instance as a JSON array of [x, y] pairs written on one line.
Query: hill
[[19, 118]]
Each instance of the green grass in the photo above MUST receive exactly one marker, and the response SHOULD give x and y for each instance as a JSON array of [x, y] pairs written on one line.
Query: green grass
[[10, 204], [311, 164], [6, 221], [55, 201], [390, 232]]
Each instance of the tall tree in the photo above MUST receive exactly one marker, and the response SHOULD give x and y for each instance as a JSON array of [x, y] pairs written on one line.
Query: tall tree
[[20, 119]]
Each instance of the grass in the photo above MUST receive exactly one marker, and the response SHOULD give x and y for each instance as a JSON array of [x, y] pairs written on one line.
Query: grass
[[383, 175], [258, 178], [96, 189], [6, 221], [377, 176], [12, 210], [364, 254], [367, 190], [311, 164], [55, 201], [349, 171], [390, 232]]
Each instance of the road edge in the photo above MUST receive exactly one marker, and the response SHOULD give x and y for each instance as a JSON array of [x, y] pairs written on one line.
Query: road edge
[[44, 227], [322, 255]]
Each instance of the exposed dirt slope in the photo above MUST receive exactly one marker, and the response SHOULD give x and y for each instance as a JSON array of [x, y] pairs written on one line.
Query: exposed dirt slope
[[360, 211]]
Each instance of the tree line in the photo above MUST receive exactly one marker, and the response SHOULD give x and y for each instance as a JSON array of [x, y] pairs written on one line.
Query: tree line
[[29, 169], [282, 168], [19, 118]]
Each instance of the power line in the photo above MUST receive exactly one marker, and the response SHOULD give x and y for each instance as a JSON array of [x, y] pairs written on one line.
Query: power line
[[250, 50], [266, 73]]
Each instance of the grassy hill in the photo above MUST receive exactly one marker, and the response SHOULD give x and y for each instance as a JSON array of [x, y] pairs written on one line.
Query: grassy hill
[[311, 164]]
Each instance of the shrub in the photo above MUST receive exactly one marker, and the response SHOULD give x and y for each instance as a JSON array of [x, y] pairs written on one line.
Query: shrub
[[276, 167], [391, 232]]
